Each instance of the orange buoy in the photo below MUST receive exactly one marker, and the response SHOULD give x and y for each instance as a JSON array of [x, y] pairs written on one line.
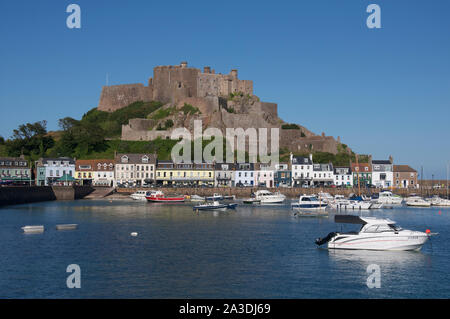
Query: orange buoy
[[428, 231]]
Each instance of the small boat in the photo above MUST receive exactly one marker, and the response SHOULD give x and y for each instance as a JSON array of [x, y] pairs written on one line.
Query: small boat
[[215, 205], [159, 197], [66, 226], [215, 197], [386, 197], [374, 234], [340, 202], [196, 198], [438, 201], [140, 195], [33, 229], [267, 197], [417, 201], [309, 202]]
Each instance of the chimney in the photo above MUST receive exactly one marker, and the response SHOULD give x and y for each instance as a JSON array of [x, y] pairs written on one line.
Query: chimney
[[391, 159], [370, 160], [310, 157]]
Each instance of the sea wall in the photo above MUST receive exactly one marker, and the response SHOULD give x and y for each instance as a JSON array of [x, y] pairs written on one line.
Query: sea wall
[[288, 192], [32, 194]]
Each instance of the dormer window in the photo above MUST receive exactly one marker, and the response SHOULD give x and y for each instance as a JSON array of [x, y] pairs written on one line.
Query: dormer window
[[124, 159], [144, 159]]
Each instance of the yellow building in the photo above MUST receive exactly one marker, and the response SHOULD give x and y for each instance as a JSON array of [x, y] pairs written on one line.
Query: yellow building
[[184, 174]]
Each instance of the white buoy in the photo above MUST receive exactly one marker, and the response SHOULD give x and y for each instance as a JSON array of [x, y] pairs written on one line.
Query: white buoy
[[134, 234]]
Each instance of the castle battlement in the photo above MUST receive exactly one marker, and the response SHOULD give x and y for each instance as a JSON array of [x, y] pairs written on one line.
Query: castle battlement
[[172, 84]]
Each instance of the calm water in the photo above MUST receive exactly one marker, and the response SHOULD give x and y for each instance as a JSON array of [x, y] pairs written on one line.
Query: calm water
[[253, 252]]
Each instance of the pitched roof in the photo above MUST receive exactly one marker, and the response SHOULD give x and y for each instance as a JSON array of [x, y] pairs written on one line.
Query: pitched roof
[[386, 162], [404, 168], [136, 158], [299, 160]]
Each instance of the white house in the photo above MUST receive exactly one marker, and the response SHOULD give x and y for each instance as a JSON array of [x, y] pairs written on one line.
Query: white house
[[244, 174], [224, 175], [323, 174], [343, 176], [383, 173], [302, 170], [135, 169], [264, 175]]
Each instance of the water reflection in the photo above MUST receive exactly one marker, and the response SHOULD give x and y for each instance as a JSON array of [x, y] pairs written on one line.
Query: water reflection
[[387, 258]]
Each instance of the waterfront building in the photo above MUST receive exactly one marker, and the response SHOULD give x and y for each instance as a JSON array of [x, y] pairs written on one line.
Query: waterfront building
[[363, 173], [55, 171], [98, 172], [184, 174], [264, 174], [135, 169], [14, 170], [343, 176], [405, 177], [244, 174], [383, 173], [302, 170], [282, 175], [224, 175], [323, 174]]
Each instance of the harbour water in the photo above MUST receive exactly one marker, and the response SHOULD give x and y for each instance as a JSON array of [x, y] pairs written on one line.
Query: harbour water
[[250, 252]]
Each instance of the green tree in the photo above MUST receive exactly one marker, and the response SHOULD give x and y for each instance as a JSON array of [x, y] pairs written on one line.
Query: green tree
[[30, 139]]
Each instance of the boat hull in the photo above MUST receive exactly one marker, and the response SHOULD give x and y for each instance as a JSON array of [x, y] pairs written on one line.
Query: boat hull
[[165, 200], [413, 241]]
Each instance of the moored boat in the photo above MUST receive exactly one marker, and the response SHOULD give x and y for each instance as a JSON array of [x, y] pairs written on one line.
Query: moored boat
[[417, 201], [215, 197], [309, 202], [140, 195], [267, 197], [374, 234], [33, 229], [440, 202], [197, 198], [159, 196], [215, 205]]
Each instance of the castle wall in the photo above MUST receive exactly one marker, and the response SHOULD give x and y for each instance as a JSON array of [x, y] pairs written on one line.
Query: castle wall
[[116, 97], [172, 83]]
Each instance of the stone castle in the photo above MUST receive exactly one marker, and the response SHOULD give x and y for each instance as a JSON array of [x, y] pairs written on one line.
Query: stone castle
[[223, 101]]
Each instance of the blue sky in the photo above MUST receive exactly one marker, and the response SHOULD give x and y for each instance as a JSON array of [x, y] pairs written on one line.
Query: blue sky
[[384, 91]]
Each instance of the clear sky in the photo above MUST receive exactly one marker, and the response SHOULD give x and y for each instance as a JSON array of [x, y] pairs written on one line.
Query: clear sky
[[384, 91]]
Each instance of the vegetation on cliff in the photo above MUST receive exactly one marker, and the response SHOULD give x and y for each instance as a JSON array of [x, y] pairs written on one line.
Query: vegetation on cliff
[[190, 110]]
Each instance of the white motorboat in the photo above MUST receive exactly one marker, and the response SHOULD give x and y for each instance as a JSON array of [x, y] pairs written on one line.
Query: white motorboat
[[266, 197], [309, 202], [340, 202], [374, 234], [439, 201], [66, 227], [215, 205], [417, 201], [197, 198], [140, 195], [386, 197], [325, 197]]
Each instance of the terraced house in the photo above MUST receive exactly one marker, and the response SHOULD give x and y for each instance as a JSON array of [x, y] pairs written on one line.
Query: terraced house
[[362, 174], [405, 177], [98, 172], [383, 173], [184, 174], [302, 170], [224, 174], [135, 169], [55, 171], [282, 175], [14, 170]]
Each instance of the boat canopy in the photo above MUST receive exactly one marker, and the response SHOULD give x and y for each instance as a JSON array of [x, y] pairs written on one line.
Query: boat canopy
[[349, 219]]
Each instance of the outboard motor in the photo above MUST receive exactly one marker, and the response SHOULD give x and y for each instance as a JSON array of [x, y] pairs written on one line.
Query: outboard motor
[[321, 241]]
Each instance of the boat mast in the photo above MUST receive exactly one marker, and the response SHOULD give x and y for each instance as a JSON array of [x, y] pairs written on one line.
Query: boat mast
[[357, 174]]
